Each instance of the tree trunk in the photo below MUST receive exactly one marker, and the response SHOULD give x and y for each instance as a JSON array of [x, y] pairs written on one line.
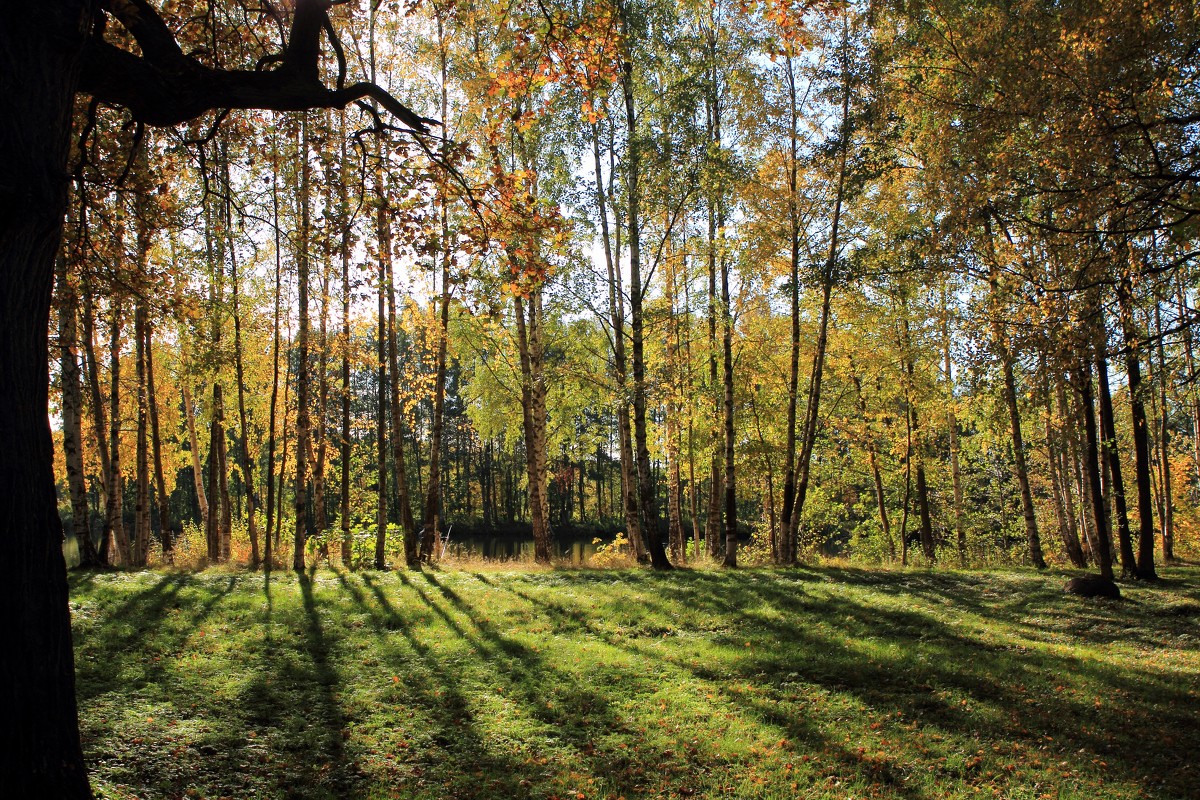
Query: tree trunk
[[91, 369], [1060, 484], [141, 526], [273, 522], [383, 243], [1109, 445], [616, 312], [218, 493], [321, 427], [1003, 349], [1073, 422], [1092, 468], [72, 413], [1164, 446], [243, 437], [787, 543], [160, 483], [302, 377], [812, 408], [928, 545], [189, 415], [952, 425], [873, 458], [40, 755], [731, 529], [433, 491], [533, 403], [118, 542], [647, 510], [674, 499], [407, 524], [344, 252], [828, 276], [1141, 435]]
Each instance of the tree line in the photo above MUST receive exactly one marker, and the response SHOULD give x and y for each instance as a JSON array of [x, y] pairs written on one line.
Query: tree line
[[852, 278]]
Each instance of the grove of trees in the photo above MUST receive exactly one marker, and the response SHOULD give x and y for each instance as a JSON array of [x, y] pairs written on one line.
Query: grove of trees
[[906, 283]]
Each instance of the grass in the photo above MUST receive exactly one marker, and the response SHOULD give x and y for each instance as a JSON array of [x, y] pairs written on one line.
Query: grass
[[830, 683]]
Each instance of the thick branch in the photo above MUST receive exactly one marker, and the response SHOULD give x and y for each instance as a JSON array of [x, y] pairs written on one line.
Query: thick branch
[[165, 87]]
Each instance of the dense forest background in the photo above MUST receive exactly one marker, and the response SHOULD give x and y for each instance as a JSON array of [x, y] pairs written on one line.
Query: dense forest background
[[898, 282]]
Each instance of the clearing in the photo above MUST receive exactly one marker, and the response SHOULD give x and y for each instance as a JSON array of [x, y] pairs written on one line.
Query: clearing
[[815, 683]]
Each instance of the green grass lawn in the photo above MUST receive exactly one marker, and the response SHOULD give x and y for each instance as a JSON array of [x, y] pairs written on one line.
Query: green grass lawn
[[816, 683]]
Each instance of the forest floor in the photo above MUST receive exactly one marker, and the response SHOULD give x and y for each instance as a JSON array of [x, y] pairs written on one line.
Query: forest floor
[[577, 684]]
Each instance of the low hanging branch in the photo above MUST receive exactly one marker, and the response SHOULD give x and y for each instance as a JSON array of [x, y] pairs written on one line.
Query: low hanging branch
[[164, 86]]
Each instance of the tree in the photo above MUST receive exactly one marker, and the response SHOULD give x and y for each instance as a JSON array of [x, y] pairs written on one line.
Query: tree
[[52, 52]]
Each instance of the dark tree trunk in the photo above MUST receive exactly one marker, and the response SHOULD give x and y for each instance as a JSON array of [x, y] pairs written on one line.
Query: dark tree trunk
[[787, 542], [616, 312], [433, 490], [141, 526], [712, 521], [344, 252], [247, 463], [1164, 442], [383, 243], [1141, 436], [117, 546], [928, 545], [1004, 350], [1092, 468], [270, 535], [40, 755], [1108, 433], [302, 382], [731, 531]]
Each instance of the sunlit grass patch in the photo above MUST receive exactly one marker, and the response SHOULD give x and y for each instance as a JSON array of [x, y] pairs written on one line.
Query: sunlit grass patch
[[822, 683]]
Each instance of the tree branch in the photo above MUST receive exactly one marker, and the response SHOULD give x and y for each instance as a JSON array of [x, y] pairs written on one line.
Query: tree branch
[[165, 87]]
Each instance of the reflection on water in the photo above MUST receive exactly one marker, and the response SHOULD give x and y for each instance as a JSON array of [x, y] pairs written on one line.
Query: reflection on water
[[576, 551]]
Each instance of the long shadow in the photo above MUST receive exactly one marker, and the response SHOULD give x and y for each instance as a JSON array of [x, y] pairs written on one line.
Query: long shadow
[[288, 714], [431, 685], [1097, 621], [325, 682], [141, 665], [936, 663], [134, 633], [799, 729], [937, 659], [574, 710]]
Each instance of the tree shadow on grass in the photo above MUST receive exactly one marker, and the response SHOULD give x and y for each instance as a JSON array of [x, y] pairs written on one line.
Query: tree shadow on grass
[[950, 680], [1142, 729], [128, 665], [453, 753], [581, 723], [800, 730], [134, 638]]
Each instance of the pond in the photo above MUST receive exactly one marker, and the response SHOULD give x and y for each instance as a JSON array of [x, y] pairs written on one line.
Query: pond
[[576, 549]]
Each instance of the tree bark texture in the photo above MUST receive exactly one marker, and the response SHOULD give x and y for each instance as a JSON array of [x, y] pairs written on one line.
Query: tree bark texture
[[40, 47]]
